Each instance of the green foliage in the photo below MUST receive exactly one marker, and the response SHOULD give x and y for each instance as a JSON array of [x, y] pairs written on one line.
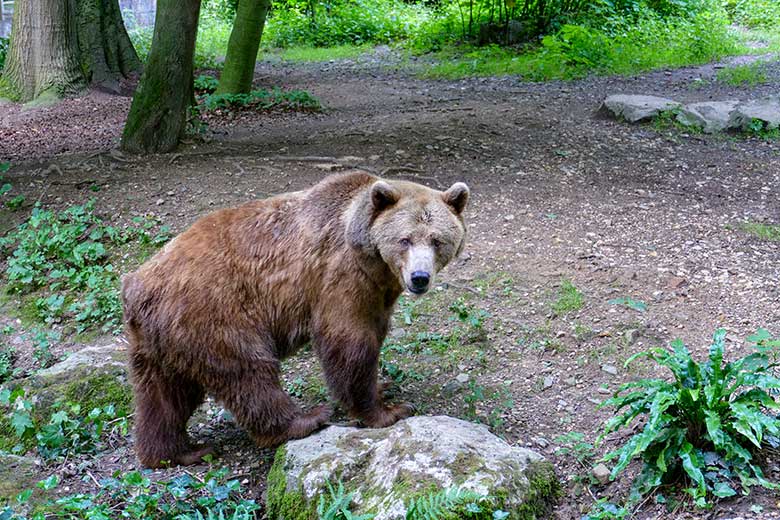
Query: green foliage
[[66, 256], [263, 100], [67, 432], [751, 74], [468, 314], [605, 510], [4, 43], [755, 13], [768, 232], [569, 299], [135, 496], [703, 427], [205, 84], [342, 22], [479, 396], [315, 54], [337, 505], [453, 503]]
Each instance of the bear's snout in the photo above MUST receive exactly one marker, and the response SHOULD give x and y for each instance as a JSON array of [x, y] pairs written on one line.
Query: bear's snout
[[420, 282]]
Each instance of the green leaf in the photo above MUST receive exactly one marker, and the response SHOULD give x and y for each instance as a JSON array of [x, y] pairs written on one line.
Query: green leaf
[[722, 490], [21, 422]]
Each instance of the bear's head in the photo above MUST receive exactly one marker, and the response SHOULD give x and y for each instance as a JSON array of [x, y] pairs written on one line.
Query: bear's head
[[415, 230]]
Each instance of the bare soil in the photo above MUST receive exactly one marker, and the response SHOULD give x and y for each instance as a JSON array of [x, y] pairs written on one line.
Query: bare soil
[[559, 193]]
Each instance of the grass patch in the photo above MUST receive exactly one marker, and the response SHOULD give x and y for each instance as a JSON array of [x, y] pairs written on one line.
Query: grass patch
[[317, 54], [569, 299], [751, 74], [768, 232]]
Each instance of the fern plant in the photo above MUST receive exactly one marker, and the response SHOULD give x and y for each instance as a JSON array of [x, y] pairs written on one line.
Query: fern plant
[[337, 505], [704, 426], [452, 503]]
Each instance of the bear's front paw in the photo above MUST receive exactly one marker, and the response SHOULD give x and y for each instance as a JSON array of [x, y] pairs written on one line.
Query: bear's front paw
[[389, 415]]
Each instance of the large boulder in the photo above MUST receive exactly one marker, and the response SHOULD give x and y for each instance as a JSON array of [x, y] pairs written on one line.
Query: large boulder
[[767, 111], [95, 376], [634, 108], [710, 116], [386, 468]]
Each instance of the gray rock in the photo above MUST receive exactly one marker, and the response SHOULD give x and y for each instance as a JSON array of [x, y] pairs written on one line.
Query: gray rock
[[547, 382], [766, 110], [385, 468], [631, 336], [451, 388], [462, 378], [601, 473], [710, 116], [610, 369], [634, 108]]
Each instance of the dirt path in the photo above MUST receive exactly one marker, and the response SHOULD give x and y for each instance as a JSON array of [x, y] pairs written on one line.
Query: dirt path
[[558, 193]]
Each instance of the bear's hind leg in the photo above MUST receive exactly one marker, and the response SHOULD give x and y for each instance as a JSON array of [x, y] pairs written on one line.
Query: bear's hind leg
[[163, 404], [264, 409]]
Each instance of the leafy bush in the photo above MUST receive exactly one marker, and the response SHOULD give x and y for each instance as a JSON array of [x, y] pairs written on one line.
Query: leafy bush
[[263, 100], [67, 432], [66, 255], [4, 42], [705, 425], [134, 495], [207, 84], [342, 22], [755, 13]]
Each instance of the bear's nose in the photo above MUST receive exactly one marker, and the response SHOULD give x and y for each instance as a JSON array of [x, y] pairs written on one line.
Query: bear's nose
[[420, 280]]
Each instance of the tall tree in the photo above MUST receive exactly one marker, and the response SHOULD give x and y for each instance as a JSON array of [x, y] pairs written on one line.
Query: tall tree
[[243, 45], [58, 47], [158, 115]]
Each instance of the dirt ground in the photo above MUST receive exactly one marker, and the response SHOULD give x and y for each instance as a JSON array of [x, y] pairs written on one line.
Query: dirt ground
[[559, 192]]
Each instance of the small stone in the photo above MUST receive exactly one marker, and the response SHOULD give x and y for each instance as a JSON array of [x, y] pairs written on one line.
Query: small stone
[[603, 390], [548, 382], [610, 369], [374, 158], [571, 381], [451, 388], [601, 473], [160, 202], [509, 218], [398, 332], [171, 193], [462, 378], [541, 442], [634, 108], [631, 336]]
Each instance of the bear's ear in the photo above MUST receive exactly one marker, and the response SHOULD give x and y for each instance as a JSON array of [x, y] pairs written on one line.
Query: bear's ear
[[383, 195], [456, 197]]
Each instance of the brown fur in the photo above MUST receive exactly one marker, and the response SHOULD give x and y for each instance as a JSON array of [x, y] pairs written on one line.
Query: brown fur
[[219, 307]]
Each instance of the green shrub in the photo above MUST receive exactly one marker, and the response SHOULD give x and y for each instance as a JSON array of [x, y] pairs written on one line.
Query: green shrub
[[704, 426], [343, 22], [66, 257], [207, 84], [755, 13]]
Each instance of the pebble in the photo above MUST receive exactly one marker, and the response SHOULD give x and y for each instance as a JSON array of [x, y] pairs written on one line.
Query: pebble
[[160, 202], [609, 369], [462, 378], [601, 473], [547, 383]]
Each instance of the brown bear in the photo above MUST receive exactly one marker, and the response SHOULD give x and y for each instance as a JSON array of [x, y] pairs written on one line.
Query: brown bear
[[220, 305]]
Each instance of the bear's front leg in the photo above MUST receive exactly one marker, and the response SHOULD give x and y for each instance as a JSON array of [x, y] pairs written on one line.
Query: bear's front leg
[[350, 362]]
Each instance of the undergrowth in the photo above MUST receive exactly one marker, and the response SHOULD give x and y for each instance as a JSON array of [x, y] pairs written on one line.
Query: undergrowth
[[262, 99], [135, 496], [64, 264], [703, 429], [751, 74], [3, 51]]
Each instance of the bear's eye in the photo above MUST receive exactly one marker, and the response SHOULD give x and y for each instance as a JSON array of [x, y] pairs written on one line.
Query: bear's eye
[[405, 242], [436, 243]]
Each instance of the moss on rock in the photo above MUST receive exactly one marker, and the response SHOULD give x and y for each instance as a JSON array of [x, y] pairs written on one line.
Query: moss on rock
[[281, 503]]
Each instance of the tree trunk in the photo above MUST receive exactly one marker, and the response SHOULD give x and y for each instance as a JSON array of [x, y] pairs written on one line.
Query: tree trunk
[[242, 48], [58, 47], [158, 114], [106, 50]]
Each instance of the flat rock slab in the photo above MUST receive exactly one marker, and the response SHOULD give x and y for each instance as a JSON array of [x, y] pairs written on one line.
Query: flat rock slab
[[765, 110], [634, 108], [710, 116], [386, 468]]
